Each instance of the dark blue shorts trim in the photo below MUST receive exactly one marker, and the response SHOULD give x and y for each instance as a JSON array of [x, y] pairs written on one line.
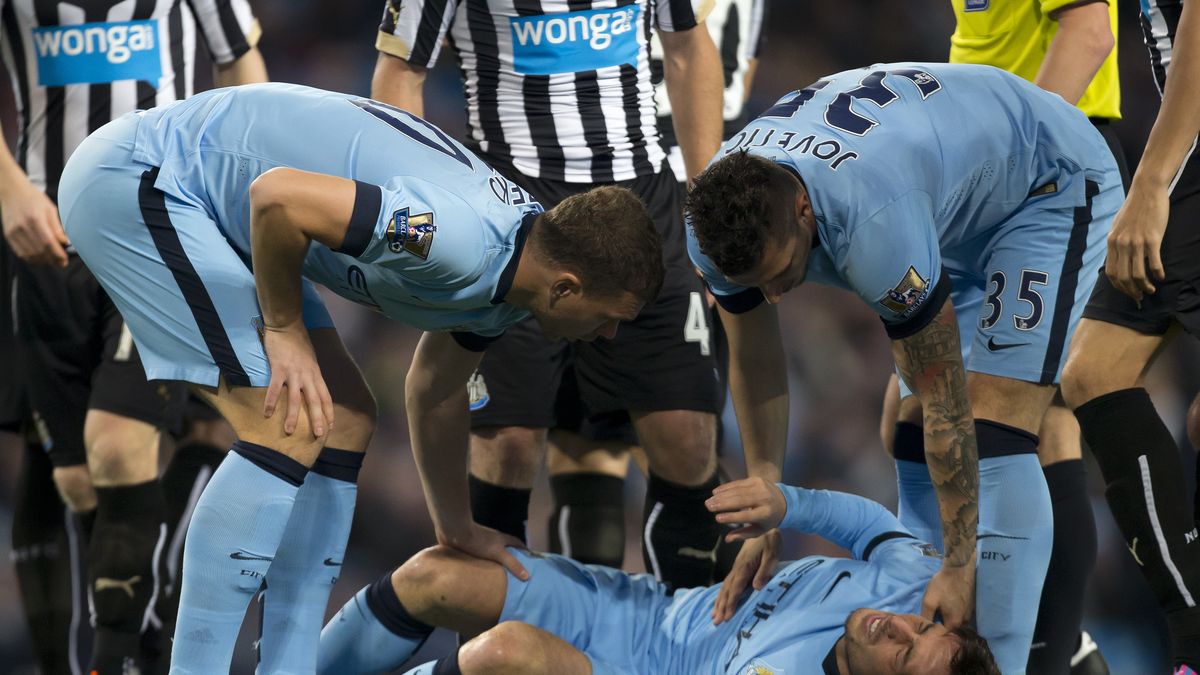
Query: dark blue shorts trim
[[1064, 302]]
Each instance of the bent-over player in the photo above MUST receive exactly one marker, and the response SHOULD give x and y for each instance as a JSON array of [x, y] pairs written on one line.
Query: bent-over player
[[169, 207], [954, 200]]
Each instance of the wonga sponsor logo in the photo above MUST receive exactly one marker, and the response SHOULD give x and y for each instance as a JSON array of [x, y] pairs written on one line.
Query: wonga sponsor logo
[[91, 53], [574, 42]]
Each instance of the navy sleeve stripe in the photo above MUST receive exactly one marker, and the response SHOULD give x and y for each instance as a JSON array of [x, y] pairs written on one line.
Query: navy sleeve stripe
[[923, 316], [740, 302], [886, 536], [473, 342], [367, 200]]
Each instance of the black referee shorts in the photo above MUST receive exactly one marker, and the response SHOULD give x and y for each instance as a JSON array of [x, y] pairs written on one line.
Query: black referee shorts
[[76, 354], [660, 361]]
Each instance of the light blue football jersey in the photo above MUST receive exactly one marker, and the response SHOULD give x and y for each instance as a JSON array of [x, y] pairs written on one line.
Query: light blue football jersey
[[434, 229], [912, 168], [792, 624]]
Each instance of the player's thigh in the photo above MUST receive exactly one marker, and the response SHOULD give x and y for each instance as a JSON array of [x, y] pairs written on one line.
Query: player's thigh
[[355, 411], [1059, 436], [1107, 357], [607, 613], [1039, 274], [1016, 403]]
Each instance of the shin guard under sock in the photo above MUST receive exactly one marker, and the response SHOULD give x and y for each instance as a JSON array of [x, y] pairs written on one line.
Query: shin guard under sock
[[1060, 613], [501, 508], [680, 536], [235, 531], [588, 521], [123, 566], [308, 563], [372, 633], [1147, 494]]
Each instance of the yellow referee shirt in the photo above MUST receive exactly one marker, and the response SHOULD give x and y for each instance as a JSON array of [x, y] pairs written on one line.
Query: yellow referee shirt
[[1015, 34]]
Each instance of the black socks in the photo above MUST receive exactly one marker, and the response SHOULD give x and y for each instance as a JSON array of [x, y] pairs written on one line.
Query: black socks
[[680, 536], [588, 522], [500, 508]]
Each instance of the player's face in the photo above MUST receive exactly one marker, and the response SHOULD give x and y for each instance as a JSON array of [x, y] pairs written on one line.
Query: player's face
[[882, 643], [784, 262], [578, 316]]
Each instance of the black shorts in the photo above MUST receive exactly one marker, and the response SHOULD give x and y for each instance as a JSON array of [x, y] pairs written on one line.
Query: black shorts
[[1178, 296], [660, 361], [77, 355], [13, 406]]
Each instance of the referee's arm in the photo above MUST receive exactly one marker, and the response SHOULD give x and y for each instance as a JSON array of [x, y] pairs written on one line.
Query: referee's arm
[[1083, 41], [695, 87]]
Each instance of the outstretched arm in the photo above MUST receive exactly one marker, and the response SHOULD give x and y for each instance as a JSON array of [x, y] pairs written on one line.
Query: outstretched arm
[[855, 523]]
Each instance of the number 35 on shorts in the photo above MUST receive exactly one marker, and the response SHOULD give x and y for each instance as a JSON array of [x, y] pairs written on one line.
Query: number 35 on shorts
[[1032, 307], [695, 326]]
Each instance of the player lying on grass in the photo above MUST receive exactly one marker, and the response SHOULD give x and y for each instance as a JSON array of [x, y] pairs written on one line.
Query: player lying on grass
[[169, 207], [815, 615]]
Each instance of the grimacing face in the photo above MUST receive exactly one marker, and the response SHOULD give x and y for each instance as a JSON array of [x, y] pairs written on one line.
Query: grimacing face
[[882, 643], [586, 317]]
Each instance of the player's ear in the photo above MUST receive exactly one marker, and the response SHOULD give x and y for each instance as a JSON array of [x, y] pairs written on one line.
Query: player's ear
[[566, 284]]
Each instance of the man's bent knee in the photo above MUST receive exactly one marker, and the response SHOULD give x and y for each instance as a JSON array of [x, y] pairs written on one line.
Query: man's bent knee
[[680, 444], [510, 647], [507, 456], [426, 577], [74, 485], [120, 450]]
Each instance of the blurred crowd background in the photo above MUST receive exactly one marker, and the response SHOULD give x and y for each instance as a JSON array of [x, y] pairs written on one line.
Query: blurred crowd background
[[839, 359]]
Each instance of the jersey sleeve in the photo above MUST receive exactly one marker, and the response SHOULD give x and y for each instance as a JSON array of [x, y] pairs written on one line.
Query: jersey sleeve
[[679, 15], [855, 523], [414, 30], [229, 27], [731, 297], [893, 261], [1048, 7], [428, 235]]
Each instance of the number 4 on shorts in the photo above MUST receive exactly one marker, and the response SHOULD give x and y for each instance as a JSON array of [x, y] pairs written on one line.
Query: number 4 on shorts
[[695, 327]]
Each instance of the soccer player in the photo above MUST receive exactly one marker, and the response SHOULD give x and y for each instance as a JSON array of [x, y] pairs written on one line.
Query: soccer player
[[587, 456], [559, 99], [954, 200], [1147, 293], [97, 416], [818, 614], [1065, 47], [169, 207]]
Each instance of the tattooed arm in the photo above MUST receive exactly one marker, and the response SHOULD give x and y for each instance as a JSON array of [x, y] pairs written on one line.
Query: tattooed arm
[[930, 362]]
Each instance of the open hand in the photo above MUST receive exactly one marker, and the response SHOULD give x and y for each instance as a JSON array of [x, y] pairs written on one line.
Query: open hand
[[294, 366], [951, 593], [31, 226], [755, 564], [1134, 246], [755, 504], [484, 542]]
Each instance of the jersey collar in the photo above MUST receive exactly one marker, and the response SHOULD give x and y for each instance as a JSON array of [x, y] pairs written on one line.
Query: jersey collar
[[510, 270], [829, 665]]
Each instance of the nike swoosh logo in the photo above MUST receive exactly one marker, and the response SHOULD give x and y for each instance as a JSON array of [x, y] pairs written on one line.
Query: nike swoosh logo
[[239, 555], [838, 580], [994, 347], [330, 562]]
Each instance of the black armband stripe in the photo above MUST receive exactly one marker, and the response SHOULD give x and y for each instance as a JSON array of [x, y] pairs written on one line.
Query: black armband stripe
[[925, 314], [473, 342], [886, 536], [367, 200], [740, 302]]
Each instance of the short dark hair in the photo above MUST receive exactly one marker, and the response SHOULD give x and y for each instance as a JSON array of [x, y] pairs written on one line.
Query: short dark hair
[[974, 657], [607, 238], [735, 208]]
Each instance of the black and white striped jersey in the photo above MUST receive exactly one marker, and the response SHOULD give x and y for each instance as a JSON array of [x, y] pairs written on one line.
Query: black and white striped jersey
[[75, 65], [736, 27], [1160, 20], [558, 89]]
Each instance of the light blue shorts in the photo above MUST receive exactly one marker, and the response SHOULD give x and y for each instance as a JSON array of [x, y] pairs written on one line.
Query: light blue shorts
[[186, 294], [1019, 301], [612, 617]]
